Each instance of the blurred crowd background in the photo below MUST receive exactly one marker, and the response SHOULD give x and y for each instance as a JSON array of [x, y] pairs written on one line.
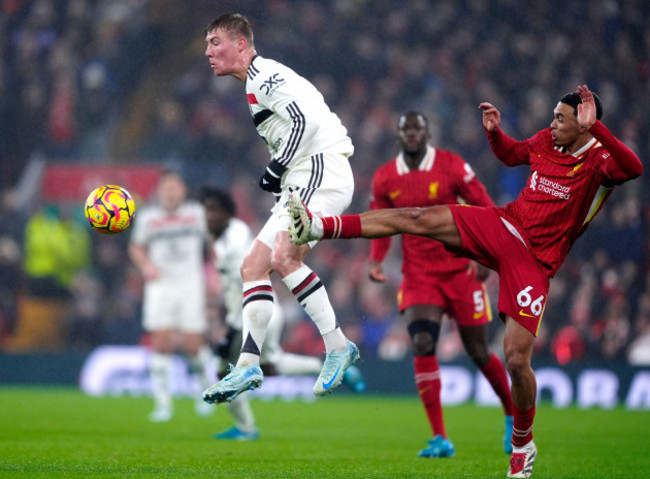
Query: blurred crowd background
[[124, 82]]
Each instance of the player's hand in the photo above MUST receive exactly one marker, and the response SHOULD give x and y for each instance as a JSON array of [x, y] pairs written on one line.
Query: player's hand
[[586, 109], [272, 178], [270, 183], [376, 272], [150, 272], [491, 116]]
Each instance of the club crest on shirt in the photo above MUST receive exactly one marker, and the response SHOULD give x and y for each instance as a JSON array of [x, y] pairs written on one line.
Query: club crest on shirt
[[277, 144]]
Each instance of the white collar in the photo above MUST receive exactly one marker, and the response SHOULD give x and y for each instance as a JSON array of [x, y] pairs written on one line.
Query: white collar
[[425, 165]]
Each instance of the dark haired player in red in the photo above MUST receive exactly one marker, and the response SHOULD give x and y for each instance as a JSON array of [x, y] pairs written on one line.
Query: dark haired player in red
[[434, 281], [575, 164]]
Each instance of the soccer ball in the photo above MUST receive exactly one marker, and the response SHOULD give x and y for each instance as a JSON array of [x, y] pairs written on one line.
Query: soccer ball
[[109, 209]]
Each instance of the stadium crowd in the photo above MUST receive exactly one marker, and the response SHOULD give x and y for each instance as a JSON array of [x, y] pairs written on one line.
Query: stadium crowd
[[125, 81]]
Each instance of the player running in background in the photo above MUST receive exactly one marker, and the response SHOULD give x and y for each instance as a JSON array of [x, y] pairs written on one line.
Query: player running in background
[[434, 281], [169, 245], [575, 164], [232, 240], [309, 155]]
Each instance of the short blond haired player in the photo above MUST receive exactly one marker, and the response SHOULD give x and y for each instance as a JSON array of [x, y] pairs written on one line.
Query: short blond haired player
[[310, 152]]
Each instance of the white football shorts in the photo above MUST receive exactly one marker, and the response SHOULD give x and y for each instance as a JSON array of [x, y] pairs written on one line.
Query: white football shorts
[[179, 306], [325, 184]]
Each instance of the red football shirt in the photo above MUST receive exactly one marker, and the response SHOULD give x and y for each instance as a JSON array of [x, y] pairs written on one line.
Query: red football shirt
[[442, 178], [563, 192]]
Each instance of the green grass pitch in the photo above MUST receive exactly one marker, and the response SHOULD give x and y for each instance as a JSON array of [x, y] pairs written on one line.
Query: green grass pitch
[[52, 433]]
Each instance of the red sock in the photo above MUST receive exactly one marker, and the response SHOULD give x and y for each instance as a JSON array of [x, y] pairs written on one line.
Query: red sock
[[427, 380], [522, 432], [495, 373], [344, 226]]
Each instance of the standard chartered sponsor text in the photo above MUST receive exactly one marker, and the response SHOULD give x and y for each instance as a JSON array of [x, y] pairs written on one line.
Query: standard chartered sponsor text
[[553, 188]]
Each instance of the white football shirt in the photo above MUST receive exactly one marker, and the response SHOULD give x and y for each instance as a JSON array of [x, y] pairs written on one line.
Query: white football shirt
[[291, 115], [175, 241]]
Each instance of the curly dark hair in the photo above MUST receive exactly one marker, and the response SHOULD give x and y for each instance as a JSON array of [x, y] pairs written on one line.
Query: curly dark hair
[[573, 99]]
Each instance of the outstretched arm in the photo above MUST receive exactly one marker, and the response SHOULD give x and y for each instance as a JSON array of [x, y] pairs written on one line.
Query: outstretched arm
[[623, 165], [510, 151]]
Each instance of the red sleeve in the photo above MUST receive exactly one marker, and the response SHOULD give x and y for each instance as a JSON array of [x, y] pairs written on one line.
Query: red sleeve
[[510, 151], [470, 188], [623, 164], [379, 247]]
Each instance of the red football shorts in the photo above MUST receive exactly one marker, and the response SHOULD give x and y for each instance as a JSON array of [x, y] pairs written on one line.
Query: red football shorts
[[492, 241], [460, 294]]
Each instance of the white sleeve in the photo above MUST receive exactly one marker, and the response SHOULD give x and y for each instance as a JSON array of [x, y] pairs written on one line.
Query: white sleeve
[[291, 98]]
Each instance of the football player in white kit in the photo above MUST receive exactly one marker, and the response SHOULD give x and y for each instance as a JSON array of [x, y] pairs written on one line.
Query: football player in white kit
[[168, 245], [309, 149], [232, 240]]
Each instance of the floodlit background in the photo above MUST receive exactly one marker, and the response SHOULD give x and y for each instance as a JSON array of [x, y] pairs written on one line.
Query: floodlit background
[[99, 91]]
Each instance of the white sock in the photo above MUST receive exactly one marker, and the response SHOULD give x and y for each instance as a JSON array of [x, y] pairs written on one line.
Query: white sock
[[295, 365], [525, 448], [198, 364], [257, 310], [240, 409], [159, 369], [308, 289]]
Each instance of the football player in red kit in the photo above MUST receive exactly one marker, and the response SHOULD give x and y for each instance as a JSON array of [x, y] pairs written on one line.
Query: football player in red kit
[[435, 281], [575, 164]]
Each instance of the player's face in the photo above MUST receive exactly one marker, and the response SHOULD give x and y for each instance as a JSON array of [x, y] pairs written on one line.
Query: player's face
[[171, 192], [565, 129], [216, 217], [413, 134], [222, 52]]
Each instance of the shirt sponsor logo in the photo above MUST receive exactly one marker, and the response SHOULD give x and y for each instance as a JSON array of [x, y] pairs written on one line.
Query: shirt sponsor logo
[[544, 185], [272, 84], [433, 190]]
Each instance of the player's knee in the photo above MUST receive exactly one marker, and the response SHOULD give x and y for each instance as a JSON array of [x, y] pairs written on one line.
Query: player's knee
[[517, 364], [252, 271], [283, 262], [424, 336]]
